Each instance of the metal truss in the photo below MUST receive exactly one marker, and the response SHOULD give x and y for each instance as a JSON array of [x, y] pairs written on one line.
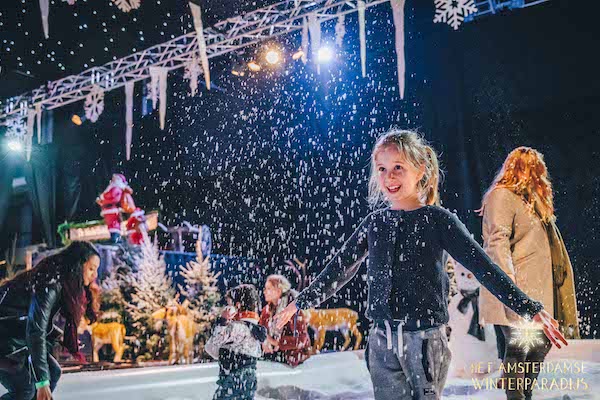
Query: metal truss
[[485, 7], [224, 37]]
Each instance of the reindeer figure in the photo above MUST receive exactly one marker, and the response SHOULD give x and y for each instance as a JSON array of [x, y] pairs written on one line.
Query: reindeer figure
[[321, 321], [181, 328], [103, 333]]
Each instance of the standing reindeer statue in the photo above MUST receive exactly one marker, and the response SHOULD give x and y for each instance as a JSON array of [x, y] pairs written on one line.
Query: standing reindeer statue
[[321, 321]]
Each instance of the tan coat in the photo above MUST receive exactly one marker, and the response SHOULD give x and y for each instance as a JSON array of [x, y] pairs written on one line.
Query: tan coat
[[517, 241]]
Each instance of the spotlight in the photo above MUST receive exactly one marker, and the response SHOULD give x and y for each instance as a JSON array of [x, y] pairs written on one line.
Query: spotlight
[[273, 56], [14, 145], [253, 66], [298, 55], [78, 119], [325, 54]]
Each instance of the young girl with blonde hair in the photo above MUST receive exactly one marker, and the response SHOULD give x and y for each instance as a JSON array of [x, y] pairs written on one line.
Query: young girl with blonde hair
[[408, 354], [520, 236]]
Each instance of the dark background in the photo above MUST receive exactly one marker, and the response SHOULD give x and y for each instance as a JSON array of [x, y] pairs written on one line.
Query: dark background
[[276, 163]]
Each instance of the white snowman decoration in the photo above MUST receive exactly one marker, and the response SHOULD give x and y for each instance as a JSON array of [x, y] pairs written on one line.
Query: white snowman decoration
[[471, 356]]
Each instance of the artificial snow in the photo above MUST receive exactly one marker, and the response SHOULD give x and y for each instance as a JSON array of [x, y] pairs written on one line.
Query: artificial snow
[[330, 376]]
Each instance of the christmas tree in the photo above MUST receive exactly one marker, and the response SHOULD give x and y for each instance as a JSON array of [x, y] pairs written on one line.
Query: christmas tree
[[112, 300], [201, 291], [152, 289]]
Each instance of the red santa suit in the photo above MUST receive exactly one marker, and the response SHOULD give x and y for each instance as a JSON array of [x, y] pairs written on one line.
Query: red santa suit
[[115, 196], [136, 227]]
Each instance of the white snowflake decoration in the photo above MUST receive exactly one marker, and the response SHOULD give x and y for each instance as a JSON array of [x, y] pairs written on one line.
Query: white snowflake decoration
[[94, 103], [453, 12], [16, 128], [192, 71], [127, 5]]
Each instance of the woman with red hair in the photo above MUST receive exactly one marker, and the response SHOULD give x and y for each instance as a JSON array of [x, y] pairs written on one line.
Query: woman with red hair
[[520, 235], [63, 282]]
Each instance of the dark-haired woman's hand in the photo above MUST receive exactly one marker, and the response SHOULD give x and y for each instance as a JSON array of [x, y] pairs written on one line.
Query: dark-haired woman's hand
[[44, 393], [550, 328]]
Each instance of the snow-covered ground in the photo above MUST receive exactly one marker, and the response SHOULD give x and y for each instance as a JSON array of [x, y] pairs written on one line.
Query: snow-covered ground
[[332, 376]]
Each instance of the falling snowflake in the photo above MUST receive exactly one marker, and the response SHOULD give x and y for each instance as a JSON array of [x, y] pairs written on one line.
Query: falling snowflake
[[94, 104], [16, 128], [453, 12], [127, 5]]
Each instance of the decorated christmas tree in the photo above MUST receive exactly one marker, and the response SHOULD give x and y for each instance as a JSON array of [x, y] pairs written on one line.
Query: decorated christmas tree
[[151, 290], [201, 291]]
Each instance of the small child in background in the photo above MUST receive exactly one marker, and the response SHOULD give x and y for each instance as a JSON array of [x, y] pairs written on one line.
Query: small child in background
[[236, 343]]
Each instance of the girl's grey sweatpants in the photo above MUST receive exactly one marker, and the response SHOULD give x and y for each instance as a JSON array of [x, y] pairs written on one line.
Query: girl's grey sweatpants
[[417, 373]]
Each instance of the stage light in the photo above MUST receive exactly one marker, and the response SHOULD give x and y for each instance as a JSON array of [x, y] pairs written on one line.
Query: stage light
[[78, 119], [325, 54], [253, 66], [298, 55], [273, 56], [14, 145]]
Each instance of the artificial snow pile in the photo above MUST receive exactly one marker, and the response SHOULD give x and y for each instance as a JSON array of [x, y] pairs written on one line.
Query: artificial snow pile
[[330, 376]]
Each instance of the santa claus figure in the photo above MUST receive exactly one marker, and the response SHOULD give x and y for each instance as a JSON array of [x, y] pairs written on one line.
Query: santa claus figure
[[136, 227], [116, 198]]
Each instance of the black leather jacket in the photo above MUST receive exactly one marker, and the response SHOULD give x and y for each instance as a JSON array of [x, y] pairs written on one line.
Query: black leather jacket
[[26, 326]]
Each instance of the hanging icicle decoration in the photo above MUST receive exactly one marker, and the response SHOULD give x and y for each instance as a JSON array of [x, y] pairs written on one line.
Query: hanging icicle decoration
[[191, 73], [154, 77], [314, 26], [128, 118], [340, 30], [363, 37], [398, 14], [158, 77], [304, 46], [44, 11], [163, 97], [197, 15], [38, 113], [29, 134]]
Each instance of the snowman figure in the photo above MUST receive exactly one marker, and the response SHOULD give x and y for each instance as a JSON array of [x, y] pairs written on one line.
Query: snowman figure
[[473, 347]]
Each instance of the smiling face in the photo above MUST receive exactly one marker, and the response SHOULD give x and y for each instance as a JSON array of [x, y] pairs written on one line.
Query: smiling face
[[90, 270], [272, 292], [398, 179]]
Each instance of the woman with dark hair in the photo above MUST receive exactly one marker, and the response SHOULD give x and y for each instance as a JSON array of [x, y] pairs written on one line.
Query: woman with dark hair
[[63, 282]]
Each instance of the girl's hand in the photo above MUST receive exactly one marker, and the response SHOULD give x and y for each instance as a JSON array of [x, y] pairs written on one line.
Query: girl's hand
[[550, 328], [228, 313], [44, 393], [285, 315], [272, 342], [267, 348]]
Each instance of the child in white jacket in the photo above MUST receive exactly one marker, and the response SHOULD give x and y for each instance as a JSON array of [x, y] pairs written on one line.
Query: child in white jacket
[[236, 343]]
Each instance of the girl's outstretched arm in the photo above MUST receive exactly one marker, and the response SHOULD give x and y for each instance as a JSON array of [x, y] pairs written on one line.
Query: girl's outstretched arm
[[457, 241], [338, 271]]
